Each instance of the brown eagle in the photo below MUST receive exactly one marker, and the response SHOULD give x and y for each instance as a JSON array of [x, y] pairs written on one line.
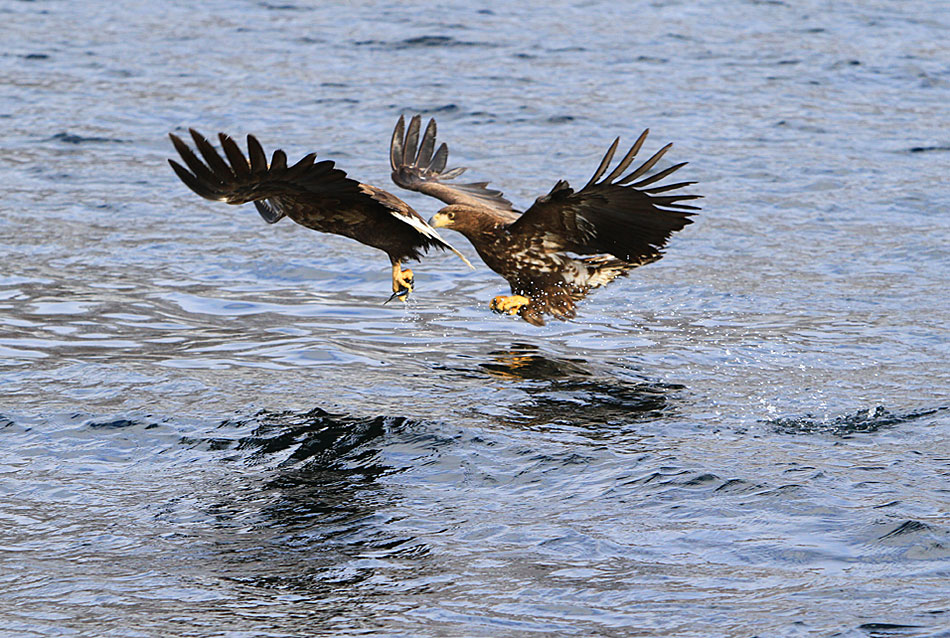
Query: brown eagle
[[313, 194], [568, 242]]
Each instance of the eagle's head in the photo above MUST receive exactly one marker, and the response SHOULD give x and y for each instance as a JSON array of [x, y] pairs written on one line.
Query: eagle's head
[[445, 218], [463, 218]]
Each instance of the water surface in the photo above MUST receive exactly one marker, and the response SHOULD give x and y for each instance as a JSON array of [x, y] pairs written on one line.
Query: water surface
[[212, 426]]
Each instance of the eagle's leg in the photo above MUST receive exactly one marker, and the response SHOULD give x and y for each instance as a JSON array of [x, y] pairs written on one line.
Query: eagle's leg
[[511, 305], [402, 282]]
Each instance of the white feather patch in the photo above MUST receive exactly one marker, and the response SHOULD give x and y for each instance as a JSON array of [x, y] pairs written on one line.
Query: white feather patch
[[586, 229], [429, 231]]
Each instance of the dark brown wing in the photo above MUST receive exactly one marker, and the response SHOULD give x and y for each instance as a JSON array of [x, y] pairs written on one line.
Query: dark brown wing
[[277, 189], [241, 179], [626, 217], [419, 166]]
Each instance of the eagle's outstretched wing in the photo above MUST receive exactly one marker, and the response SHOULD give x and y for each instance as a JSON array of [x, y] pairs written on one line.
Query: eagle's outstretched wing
[[419, 166], [240, 180], [313, 193], [624, 217]]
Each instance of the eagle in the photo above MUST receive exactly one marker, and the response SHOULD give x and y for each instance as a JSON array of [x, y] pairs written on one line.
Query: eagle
[[567, 242], [314, 194]]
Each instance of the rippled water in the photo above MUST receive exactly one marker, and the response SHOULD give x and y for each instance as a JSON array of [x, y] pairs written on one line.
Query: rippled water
[[212, 426]]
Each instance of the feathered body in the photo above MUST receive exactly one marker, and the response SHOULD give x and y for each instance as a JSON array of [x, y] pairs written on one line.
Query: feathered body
[[568, 242], [535, 264], [314, 194]]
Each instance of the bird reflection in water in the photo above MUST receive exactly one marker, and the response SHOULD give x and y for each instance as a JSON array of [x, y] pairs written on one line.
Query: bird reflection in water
[[571, 391], [321, 511]]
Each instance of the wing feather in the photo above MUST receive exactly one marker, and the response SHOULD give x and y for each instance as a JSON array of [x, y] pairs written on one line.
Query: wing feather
[[217, 165], [424, 158], [412, 140], [658, 176], [667, 187], [192, 182], [197, 166], [416, 168], [647, 165], [425, 229], [308, 188], [278, 161], [610, 216], [396, 145], [604, 163], [300, 169], [246, 181], [256, 154], [625, 162], [440, 159], [238, 162]]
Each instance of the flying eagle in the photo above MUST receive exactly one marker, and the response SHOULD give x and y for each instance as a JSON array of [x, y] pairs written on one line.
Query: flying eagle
[[313, 194], [568, 242]]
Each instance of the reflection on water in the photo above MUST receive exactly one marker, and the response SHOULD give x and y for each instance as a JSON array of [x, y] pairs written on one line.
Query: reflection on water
[[570, 391], [525, 361], [320, 512], [313, 439]]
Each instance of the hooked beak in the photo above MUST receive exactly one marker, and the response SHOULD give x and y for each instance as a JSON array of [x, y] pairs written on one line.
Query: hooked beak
[[440, 220]]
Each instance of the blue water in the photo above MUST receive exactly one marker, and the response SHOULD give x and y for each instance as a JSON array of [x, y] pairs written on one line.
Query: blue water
[[214, 427]]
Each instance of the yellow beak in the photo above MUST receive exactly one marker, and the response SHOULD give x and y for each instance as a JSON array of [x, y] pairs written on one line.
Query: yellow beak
[[440, 220]]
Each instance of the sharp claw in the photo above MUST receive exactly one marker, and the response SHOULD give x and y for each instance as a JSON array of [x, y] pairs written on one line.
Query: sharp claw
[[512, 305], [403, 281]]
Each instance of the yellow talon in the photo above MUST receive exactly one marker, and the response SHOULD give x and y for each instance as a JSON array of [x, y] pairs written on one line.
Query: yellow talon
[[512, 305], [402, 282]]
